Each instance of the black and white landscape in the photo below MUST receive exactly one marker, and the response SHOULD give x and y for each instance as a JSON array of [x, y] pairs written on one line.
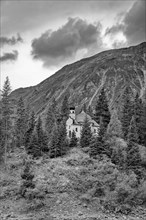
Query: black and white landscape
[[73, 110]]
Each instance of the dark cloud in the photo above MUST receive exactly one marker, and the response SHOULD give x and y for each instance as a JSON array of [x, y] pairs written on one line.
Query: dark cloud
[[35, 14], [10, 41], [9, 56], [65, 42], [133, 24]]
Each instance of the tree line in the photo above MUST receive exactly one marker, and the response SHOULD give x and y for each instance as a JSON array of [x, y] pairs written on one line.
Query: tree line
[[50, 136]]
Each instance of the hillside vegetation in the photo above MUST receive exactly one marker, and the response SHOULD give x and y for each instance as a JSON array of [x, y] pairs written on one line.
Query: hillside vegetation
[[69, 188]]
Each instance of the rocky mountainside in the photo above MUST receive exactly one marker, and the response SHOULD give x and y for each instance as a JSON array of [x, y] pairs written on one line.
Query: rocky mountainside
[[83, 80]]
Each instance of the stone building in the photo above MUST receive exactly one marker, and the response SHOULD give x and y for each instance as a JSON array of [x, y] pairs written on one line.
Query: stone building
[[75, 123]]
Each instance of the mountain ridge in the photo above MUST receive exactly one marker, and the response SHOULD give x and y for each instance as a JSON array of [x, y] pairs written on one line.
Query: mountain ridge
[[83, 79]]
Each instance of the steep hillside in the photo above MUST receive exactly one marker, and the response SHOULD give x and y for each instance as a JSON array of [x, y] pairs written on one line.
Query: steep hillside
[[84, 79]]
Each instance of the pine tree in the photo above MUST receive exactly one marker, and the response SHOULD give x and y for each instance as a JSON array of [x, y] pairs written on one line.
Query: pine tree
[[98, 145], [21, 123], [73, 140], [132, 136], [137, 115], [102, 110], [86, 134], [127, 112], [133, 155], [65, 109], [50, 119], [6, 115], [33, 148], [58, 144], [118, 157], [53, 149], [63, 138], [115, 126], [41, 136], [1, 142], [30, 130], [27, 177], [142, 125]]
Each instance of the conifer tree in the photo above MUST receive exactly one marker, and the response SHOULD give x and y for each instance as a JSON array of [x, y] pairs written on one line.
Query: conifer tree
[[132, 136], [86, 134], [30, 130], [137, 115], [98, 145], [33, 147], [50, 119], [127, 112], [63, 142], [59, 144], [133, 155], [118, 157], [1, 142], [73, 140], [65, 109], [21, 123], [6, 115], [102, 110], [115, 126], [54, 149], [142, 125], [27, 177], [41, 137]]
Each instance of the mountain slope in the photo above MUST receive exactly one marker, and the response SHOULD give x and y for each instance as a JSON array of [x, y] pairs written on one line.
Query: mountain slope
[[84, 79]]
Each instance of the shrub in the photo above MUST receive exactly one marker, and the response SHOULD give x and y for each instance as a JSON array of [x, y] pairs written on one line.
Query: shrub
[[27, 179]]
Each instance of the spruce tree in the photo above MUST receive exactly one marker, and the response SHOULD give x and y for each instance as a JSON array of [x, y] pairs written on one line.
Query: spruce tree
[[137, 115], [98, 145], [33, 148], [1, 142], [142, 125], [63, 142], [132, 136], [59, 143], [118, 157], [21, 123], [41, 136], [65, 109], [86, 134], [53, 149], [50, 119], [27, 179], [133, 155], [102, 111], [6, 115], [127, 111], [30, 130], [73, 140], [115, 126]]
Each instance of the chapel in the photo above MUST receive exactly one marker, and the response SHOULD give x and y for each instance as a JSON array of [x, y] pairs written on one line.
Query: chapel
[[75, 123]]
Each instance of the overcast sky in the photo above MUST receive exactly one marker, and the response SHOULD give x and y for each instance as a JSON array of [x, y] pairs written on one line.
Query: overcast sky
[[39, 37]]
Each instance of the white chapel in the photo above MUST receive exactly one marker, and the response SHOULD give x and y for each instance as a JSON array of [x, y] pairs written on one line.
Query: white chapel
[[75, 123]]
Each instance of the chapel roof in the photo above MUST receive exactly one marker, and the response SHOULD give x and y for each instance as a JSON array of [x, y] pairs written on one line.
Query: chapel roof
[[80, 118]]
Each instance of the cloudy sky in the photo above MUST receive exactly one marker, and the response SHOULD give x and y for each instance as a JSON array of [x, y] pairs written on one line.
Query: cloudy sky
[[38, 37]]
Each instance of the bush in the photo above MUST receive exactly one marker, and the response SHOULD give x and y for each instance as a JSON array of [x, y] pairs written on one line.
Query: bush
[[141, 194], [27, 179]]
